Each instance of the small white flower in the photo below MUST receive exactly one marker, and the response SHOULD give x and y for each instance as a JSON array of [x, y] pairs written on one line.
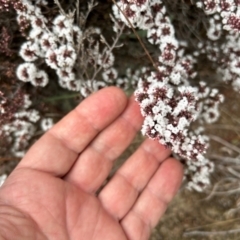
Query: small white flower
[[106, 60], [27, 102], [62, 83], [235, 66], [33, 115], [122, 83], [42, 2], [146, 21], [182, 105], [51, 59], [110, 75], [26, 71], [74, 85], [61, 25], [3, 179], [46, 124], [153, 35], [215, 30], [236, 84], [183, 122], [175, 78], [38, 22], [18, 154], [66, 74], [211, 115], [48, 41], [91, 86], [66, 56], [159, 19], [35, 33], [40, 79], [29, 51]]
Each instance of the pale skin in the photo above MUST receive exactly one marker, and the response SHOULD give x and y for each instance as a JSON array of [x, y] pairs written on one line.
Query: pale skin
[[53, 192]]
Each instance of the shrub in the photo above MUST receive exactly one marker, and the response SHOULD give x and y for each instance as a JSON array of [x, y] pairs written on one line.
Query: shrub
[[174, 99]]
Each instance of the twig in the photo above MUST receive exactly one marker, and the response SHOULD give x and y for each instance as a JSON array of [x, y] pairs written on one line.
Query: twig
[[208, 233], [223, 126], [233, 172], [78, 12], [223, 142], [139, 39], [232, 211], [4, 159], [56, 98], [212, 224], [227, 192], [213, 192], [84, 17], [70, 15], [110, 50], [231, 116], [224, 159]]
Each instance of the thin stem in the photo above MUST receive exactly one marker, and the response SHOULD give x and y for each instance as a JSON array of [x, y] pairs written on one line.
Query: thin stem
[[233, 172], [109, 50], [214, 189], [61, 97], [78, 12], [212, 224], [227, 192], [208, 233], [223, 142], [224, 159], [4, 159], [139, 39], [223, 126]]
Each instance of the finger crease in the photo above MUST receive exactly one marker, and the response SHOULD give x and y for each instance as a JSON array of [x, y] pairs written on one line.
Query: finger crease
[[90, 122], [143, 219], [151, 154], [130, 123], [103, 151], [129, 182], [106, 147], [158, 197], [63, 142]]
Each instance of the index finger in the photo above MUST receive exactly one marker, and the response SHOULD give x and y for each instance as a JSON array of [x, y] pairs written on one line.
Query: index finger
[[57, 150]]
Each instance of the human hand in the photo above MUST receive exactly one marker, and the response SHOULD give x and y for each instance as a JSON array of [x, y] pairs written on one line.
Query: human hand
[[51, 195]]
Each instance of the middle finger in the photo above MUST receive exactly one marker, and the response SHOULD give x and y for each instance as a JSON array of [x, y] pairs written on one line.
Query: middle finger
[[95, 163]]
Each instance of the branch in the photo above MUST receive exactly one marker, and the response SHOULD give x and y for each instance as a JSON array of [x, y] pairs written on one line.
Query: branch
[[208, 233], [223, 142], [139, 39]]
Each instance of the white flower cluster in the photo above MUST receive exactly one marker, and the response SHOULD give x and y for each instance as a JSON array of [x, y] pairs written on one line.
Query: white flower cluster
[[166, 99], [62, 46], [21, 129], [132, 11], [209, 106], [46, 124], [128, 81], [225, 14], [168, 114], [150, 15], [56, 45], [230, 67]]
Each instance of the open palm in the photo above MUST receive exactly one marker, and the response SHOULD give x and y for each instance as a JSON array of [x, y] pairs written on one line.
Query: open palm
[[52, 192]]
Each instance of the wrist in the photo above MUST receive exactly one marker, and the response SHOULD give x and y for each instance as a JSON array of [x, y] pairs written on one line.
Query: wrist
[[11, 222], [14, 224]]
